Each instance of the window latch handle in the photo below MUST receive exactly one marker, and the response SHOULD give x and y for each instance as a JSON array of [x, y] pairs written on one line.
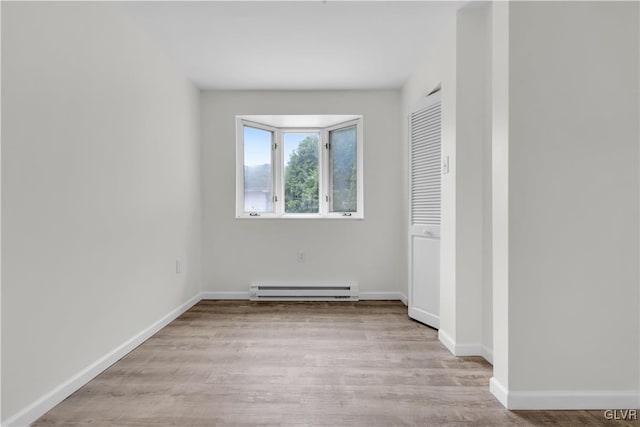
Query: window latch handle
[[346, 213], [254, 214]]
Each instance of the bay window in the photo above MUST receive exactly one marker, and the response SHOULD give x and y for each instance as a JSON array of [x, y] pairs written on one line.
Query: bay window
[[299, 167]]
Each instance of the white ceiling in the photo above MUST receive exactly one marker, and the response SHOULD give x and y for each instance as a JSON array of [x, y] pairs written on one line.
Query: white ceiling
[[312, 45]]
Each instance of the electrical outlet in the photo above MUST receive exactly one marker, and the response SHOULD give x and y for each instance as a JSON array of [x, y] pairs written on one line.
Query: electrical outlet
[[301, 256], [178, 266]]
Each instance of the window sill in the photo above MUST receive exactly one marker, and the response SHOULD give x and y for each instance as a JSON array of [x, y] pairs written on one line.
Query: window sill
[[354, 216]]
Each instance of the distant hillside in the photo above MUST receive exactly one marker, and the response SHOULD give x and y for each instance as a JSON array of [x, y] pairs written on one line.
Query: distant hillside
[[257, 178]]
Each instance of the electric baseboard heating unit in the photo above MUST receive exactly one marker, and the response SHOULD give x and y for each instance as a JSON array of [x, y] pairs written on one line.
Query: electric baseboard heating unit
[[276, 292]]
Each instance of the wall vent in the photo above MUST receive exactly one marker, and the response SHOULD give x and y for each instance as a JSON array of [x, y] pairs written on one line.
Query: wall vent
[[284, 292]]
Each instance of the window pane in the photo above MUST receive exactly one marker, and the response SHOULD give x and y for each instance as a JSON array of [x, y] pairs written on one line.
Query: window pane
[[301, 190], [258, 174], [344, 173]]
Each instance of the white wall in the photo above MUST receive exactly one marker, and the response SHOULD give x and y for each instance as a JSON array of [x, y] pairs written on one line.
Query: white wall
[[439, 67], [0, 234], [485, 19], [100, 190], [460, 62], [371, 252], [473, 166], [500, 196], [573, 206]]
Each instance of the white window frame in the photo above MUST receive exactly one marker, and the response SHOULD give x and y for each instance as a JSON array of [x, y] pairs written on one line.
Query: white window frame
[[278, 164], [359, 170], [280, 172], [240, 166]]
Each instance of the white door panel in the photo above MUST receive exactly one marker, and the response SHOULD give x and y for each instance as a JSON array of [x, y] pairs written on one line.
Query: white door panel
[[424, 229], [425, 299], [431, 231]]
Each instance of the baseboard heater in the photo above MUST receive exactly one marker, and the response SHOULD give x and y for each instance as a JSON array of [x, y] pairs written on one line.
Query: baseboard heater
[[276, 292]]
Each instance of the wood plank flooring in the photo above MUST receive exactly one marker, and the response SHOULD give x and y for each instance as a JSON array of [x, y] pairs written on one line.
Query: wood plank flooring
[[237, 363]]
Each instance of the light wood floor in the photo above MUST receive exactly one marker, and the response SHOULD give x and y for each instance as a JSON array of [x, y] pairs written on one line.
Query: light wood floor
[[236, 363]]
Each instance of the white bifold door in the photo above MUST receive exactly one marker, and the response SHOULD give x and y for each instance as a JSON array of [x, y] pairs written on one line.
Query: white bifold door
[[424, 222]]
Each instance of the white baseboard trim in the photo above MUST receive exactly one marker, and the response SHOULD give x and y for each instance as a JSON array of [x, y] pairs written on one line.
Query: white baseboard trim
[[605, 399], [447, 341], [404, 299], [465, 349], [468, 349], [396, 296], [487, 353], [563, 400], [422, 316], [459, 349], [38, 408], [499, 391], [224, 295]]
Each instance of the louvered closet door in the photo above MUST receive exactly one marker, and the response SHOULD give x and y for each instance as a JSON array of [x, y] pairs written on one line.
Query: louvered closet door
[[424, 229]]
